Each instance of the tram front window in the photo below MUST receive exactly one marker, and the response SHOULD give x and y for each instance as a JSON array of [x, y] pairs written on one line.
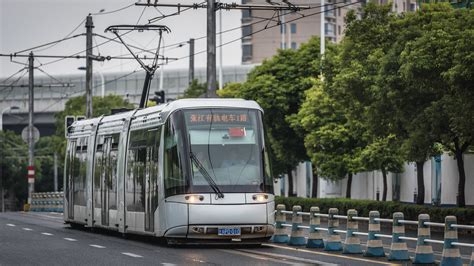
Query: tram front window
[[226, 149]]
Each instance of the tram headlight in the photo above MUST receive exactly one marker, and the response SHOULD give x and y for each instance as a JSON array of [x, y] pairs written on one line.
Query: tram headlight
[[193, 198], [260, 197]]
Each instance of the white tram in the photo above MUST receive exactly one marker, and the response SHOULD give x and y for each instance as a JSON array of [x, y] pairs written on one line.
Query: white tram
[[192, 169]]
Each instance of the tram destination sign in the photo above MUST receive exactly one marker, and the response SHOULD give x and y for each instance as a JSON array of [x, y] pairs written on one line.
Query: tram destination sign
[[218, 118]]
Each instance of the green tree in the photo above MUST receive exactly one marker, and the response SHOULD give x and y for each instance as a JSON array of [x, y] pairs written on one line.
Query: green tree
[[383, 154], [332, 141], [13, 162], [100, 106], [441, 58], [230, 90], [278, 85], [195, 90]]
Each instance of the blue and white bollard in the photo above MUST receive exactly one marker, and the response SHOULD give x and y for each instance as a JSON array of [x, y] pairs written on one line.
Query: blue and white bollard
[[333, 242], [398, 249], [297, 234], [374, 243], [352, 242], [315, 239], [451, 254], [280, 235], [424, 251]]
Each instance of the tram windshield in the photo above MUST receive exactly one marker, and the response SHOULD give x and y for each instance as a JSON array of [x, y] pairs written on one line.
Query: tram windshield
[[226, 151]]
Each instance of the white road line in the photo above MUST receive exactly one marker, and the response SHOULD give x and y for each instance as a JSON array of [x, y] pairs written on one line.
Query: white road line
[[258, 257], [168, 264], [287, 257], [11, 225], [47, 234], [132, 255], [327, 254], [27, 229], [97, 246], [70, 239]]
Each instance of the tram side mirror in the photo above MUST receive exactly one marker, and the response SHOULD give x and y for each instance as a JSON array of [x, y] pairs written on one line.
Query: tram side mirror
[[68, 121]]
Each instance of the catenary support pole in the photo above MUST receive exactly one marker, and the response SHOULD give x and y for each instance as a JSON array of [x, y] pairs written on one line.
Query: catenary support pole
[[89, 27], [31, 143], [211, 49], [55, 172], [191, 60]]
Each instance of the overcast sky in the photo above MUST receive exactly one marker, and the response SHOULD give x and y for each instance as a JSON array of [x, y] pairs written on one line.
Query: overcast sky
[[28, 23]]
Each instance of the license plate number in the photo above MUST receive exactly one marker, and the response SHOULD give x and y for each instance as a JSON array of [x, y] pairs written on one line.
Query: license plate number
[[228, 231]]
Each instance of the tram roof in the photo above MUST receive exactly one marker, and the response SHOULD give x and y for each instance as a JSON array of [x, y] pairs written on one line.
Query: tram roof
[[167, 108]]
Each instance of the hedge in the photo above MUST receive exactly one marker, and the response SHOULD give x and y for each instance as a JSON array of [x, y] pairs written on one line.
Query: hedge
[[386, 209]]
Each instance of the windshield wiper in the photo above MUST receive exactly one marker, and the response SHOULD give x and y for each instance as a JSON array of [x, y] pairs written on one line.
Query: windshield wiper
[[206, 175]]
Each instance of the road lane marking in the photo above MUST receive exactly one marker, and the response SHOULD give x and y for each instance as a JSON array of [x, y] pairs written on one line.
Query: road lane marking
[[168, 264], [258, 257], [328, 254], [11, 225], [288, 257], [47, 234], [27, 229], [97, 246], [70, 239], [132, 255]]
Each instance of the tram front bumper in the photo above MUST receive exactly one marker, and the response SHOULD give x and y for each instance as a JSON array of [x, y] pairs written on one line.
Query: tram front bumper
[[255, 221]]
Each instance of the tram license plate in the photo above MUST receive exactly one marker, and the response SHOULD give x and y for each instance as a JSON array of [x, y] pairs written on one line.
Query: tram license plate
[[228, 231]]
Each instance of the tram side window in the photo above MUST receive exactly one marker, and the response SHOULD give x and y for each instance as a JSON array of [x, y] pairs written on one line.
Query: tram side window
[[79, 166], [175, 182]]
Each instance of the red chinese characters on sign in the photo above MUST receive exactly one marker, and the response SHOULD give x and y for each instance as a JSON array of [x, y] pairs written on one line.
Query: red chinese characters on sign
[[218, 118]]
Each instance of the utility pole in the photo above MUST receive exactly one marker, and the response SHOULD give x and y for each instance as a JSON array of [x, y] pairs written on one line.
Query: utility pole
[[31, 142], [191, 60], [89, 27], [211, 49], [55, 172], [283, 30], [161, 68], [221, 82], [323, 33]]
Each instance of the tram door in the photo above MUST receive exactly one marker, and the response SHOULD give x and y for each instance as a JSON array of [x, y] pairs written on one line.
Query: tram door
[[70, 179], [151, 178], [104, 178]]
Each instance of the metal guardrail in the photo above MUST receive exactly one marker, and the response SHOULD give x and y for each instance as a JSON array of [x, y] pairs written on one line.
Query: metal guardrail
[[311, 236], [47, 202]]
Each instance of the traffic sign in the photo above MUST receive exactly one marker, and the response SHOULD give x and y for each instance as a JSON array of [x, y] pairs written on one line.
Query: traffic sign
[[36, 134]]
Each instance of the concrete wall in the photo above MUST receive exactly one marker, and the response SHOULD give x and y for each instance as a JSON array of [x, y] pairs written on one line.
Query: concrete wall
[[365, 185]]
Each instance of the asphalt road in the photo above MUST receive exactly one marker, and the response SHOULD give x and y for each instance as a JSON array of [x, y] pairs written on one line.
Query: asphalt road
[[43, 239]]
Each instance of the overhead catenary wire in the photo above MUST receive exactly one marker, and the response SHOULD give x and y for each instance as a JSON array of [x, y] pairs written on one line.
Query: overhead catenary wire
[[182, 43], [272, 26]]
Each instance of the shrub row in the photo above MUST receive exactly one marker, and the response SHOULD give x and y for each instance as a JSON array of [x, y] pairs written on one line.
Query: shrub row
[[386, 209]]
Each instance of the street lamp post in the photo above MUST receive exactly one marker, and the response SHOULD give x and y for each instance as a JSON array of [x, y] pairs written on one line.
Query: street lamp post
[[3, 111], [101, 79]]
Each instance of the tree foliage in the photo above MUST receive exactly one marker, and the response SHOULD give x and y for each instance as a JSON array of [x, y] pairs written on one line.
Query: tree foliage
[[195, 90], [278, 85]]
